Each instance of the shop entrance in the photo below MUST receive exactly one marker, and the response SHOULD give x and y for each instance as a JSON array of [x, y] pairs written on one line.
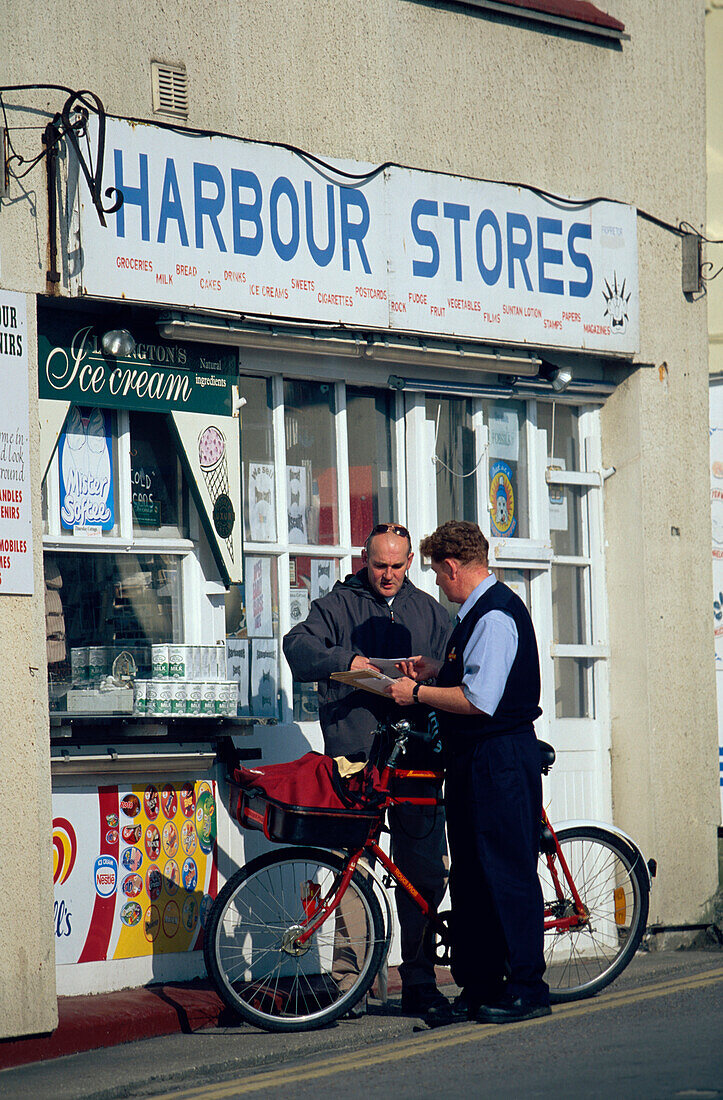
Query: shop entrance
[[529, 472]]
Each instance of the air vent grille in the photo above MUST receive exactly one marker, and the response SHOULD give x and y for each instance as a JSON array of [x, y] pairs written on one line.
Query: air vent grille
[[170, 89]]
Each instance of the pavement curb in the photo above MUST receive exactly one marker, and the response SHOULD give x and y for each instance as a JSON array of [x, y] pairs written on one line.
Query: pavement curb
[[109, 1019]]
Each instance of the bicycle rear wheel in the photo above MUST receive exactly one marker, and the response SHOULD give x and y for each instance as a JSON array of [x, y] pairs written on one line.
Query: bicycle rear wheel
[[251, 944], [613, 886]]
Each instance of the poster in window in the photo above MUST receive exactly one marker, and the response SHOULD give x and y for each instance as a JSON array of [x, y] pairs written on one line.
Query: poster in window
[[85, 459], [237, 668], [296, 492], [558, 499], [299, 605], [504, 432], [262, 501], [323, 576], [502, 501], [259, 613], [264, 676]]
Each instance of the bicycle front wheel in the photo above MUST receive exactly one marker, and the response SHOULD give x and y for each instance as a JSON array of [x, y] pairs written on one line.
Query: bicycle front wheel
[[252, 949], [613, 887]]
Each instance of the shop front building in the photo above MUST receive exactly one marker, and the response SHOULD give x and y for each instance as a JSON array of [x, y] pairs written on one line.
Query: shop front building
[[241, 368]]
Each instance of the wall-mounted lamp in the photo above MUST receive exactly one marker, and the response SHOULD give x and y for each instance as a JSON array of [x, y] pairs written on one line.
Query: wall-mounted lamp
[[118, 343], [558, 377]]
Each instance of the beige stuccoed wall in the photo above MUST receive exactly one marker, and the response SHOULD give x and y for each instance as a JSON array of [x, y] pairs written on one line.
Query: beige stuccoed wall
[[27, 959], [447, 89]]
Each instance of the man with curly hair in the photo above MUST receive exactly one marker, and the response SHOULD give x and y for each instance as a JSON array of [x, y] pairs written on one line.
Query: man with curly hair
[[486, 693]]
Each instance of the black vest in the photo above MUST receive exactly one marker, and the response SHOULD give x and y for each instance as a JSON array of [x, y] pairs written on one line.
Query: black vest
[[520, 703]]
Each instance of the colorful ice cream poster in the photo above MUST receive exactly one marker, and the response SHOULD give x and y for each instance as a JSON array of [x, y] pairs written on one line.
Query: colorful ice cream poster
[[264, 677], [296, 500], [134, 869], [261, 496], [259, 610]]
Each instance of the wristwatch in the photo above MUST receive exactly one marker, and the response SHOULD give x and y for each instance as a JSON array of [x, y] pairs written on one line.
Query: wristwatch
[[415, 692]]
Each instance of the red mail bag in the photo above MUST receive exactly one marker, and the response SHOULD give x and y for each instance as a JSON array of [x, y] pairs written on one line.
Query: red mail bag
[[306, 801]]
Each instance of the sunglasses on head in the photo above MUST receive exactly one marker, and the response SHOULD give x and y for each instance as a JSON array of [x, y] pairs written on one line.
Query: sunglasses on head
[[383, 528]]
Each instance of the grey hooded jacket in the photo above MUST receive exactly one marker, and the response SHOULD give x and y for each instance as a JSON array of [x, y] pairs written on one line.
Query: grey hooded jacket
[[353, 620]]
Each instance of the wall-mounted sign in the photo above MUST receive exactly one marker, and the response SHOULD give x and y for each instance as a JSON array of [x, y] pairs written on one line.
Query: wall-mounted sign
[[16, 533], [158, 376], [85, 460], [222, 224]]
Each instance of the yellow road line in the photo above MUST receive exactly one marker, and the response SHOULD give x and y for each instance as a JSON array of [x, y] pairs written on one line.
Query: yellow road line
[[435, 1040]]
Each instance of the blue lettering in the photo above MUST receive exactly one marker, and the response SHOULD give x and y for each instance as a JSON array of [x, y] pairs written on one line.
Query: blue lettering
[[285, 250], [583, 232], [246, 212], [353, 231], [320, 256], [518, 250], [208, 206], [489, 274], [427, 269], [135, 196], [548, 255], [171, 206], [458, 214]]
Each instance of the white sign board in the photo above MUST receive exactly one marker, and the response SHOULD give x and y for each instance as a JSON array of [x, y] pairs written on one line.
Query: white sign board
[[16, 532], [222, 224], [716, 507]]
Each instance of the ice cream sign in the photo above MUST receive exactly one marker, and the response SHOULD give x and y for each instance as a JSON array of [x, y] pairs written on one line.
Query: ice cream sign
[[85, 452]]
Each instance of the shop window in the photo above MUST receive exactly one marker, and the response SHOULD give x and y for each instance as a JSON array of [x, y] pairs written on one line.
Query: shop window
[[450, 421], [507, 487], [369, 415], [573, 688], [252, 632], [257, 442], [309, 579], [311, 478], [102, 609], [159, 496]]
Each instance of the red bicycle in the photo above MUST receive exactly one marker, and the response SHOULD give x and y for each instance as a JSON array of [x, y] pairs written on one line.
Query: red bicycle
[[297, 937]]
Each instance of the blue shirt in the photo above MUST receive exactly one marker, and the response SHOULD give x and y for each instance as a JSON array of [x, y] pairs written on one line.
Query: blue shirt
[[489, 653]]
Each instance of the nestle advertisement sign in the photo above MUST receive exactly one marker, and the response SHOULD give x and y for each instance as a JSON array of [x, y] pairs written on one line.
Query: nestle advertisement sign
[[222, 224]]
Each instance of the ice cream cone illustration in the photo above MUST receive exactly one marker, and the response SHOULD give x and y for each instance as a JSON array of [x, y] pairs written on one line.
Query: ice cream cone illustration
[[212, 457]]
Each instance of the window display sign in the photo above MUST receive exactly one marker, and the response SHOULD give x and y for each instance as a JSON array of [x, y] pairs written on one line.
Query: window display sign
[[16, 536], [157, 376], [134, 869], [217, 223], [85, 451]]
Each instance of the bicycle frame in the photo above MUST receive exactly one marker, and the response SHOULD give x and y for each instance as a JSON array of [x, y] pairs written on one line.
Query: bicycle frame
[[556, 863]]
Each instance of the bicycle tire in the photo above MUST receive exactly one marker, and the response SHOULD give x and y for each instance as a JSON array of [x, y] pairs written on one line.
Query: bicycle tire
[[250, 950], [612, 882]]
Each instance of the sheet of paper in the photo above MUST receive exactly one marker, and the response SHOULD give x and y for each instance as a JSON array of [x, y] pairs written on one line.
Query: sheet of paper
[[388, 665]]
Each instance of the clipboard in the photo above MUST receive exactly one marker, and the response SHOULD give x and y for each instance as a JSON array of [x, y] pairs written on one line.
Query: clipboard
[[365, 679]]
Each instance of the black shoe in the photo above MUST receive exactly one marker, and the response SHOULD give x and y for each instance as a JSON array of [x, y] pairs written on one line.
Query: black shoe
[[357, 1011], [511, 1010], [419, 1000]]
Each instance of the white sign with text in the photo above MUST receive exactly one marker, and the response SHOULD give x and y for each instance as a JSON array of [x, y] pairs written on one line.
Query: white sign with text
[[16, 532], [222, 224]]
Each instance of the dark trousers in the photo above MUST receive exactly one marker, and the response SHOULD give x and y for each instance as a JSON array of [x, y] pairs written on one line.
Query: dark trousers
[[418, 848], [494, 807]]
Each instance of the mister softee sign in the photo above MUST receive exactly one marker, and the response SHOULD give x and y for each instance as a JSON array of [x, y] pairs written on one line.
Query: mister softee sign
[[223, 224]]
